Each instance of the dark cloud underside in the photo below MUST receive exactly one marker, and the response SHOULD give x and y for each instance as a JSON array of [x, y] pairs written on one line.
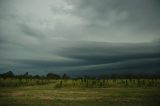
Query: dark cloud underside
[[80, 36]]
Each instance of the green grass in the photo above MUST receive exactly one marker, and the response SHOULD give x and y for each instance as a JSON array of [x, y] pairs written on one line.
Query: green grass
[[49, 95]]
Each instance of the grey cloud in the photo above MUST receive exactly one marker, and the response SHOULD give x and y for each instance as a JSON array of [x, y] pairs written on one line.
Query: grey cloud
[[137, 66], [30, 30], [120, 16], [55, 63], [82, 35], [100, 53], [137, 10]]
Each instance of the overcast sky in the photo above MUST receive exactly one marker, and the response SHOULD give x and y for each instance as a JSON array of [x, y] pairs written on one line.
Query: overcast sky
[[80, 36]]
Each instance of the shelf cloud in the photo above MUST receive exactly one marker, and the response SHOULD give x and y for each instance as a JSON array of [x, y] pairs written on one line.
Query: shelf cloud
[[80, 36]]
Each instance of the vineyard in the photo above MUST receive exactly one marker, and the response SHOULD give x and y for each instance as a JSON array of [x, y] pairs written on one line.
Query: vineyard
[[54, 90]]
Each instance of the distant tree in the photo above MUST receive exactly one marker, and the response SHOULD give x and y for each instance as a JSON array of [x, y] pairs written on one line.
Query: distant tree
[[8, 74], [53, 76], [86, 77], [26, 74], [37, 76], [104, 76], [65, 76], [115, 76]]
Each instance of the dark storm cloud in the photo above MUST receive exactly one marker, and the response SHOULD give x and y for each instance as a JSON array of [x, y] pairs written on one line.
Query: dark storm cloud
[[127, 67], [101, 53], [48, 63], [79, 36]]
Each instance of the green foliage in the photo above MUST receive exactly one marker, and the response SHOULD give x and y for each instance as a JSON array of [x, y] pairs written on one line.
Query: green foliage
[[82, 83], [52, 76], [13, 82], [65, 76], [111, 83]]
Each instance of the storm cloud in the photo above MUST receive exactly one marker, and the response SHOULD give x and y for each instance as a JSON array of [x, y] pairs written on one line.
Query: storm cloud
[[80, 36]]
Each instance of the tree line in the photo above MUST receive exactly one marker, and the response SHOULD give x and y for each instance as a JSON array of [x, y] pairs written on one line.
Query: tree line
[[50, 75], [10, 74]]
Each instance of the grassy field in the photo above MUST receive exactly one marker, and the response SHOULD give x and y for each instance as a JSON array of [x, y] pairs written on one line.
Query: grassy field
[[53, 94]]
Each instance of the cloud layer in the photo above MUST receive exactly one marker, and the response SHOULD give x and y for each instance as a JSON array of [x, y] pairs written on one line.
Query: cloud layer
[[79, 36]]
